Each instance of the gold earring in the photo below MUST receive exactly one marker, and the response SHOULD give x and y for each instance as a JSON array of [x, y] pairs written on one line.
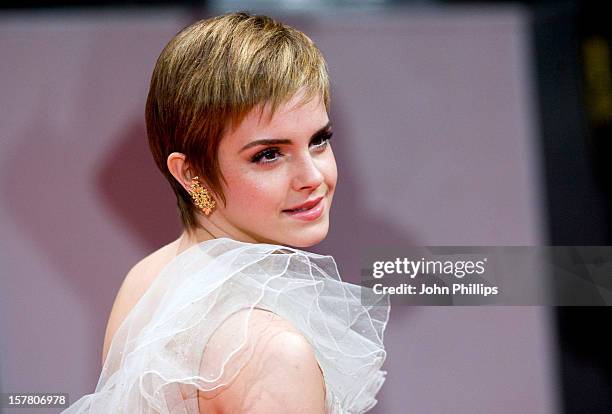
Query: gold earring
[[201, 196]]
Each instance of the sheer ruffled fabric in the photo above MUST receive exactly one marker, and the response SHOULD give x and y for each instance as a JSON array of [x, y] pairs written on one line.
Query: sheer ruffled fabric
[[212, 289]]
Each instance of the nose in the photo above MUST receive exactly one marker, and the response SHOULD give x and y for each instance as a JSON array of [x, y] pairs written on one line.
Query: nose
[[307, 174]]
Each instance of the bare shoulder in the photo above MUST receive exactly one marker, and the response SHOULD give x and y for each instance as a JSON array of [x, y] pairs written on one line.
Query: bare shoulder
[[134, 285], [282, 375]]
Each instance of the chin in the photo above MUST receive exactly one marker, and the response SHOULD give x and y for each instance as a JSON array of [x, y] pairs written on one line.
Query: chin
[[308, 238]]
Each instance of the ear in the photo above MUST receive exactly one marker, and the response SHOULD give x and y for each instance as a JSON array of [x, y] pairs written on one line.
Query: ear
[[179, 169]]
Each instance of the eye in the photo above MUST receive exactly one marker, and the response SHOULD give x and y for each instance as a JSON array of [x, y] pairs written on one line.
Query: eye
[[321, 141], [267, 156]]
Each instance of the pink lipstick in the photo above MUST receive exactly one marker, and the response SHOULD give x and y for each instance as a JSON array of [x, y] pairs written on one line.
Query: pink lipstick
[[308, 211]]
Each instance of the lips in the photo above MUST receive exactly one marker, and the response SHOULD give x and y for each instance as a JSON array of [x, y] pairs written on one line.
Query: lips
[[309, 211], [304, 206]]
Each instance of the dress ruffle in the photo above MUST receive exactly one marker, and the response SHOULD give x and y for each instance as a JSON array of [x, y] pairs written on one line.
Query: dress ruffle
[[212, 289]]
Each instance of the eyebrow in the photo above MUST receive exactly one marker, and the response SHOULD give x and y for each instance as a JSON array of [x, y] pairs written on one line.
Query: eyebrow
[[282, 141]]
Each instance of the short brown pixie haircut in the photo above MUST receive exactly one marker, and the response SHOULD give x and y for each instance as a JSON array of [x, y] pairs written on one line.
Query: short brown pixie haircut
[[209, 76]]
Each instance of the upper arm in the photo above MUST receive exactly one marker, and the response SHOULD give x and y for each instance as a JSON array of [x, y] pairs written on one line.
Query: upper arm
[[282, 375], [285, 377]]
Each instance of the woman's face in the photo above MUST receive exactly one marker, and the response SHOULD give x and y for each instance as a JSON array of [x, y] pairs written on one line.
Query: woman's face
[[280, 176]]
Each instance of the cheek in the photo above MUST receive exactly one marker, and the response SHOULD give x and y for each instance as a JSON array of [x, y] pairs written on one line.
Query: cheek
[[330, 171], [246, 189]]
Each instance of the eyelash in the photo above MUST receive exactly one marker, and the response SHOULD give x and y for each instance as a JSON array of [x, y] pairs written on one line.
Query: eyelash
[[259, 157]]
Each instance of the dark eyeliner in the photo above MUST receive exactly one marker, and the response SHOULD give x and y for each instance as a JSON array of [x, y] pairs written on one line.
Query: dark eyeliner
[[259, 156], [323, 136]]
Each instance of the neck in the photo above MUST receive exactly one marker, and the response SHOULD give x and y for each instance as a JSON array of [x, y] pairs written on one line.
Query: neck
[[186, 240], [212, 228]]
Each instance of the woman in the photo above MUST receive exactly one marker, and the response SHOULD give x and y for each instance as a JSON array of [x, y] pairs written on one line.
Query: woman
[[228, 318]]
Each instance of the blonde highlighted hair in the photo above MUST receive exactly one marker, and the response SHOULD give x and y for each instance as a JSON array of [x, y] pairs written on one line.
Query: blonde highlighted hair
[[209, 76]]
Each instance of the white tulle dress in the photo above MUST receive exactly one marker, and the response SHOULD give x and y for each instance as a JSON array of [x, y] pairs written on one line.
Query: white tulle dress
[[159, 345]]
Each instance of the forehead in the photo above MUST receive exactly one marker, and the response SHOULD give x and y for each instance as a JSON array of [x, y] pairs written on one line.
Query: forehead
[[292, 119]]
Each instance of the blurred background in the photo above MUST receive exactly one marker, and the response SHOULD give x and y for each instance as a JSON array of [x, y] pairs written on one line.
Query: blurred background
[[456, 123]]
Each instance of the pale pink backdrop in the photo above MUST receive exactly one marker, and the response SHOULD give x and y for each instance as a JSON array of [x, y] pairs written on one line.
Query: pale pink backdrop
[[436, 144]]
